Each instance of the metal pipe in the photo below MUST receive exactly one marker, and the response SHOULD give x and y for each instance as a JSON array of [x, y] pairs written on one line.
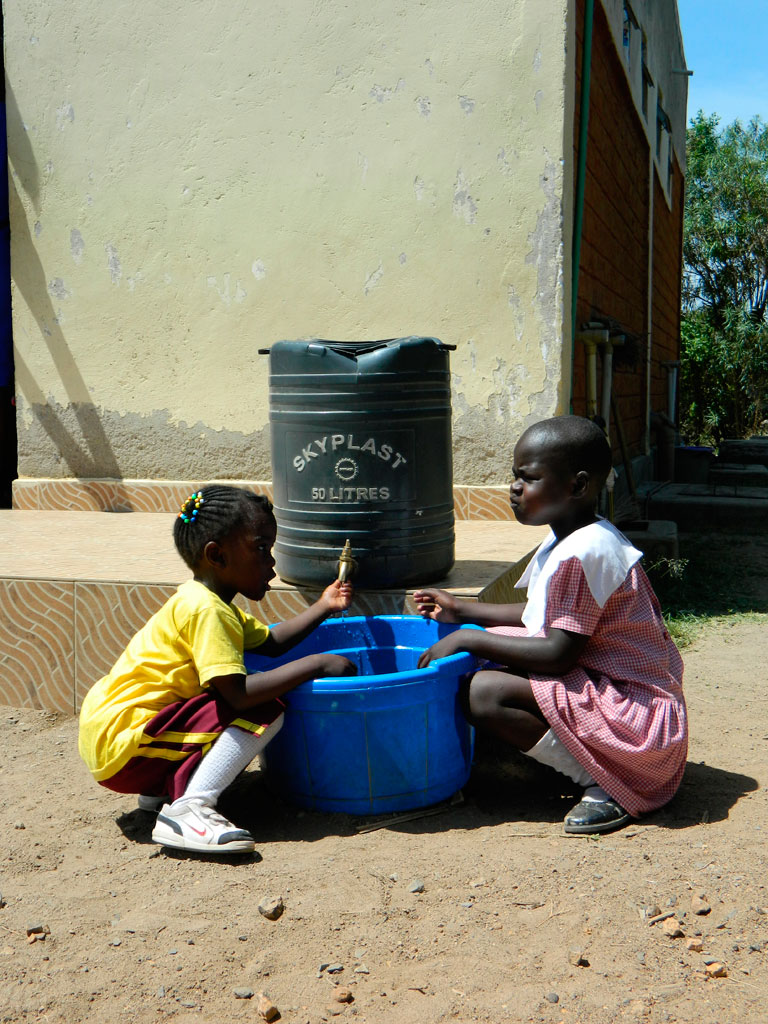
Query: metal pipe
[[590, 339], [605, 399], [581, 173], [649, 301], [672, 367]]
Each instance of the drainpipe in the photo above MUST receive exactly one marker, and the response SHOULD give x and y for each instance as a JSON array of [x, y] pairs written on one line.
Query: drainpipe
[[605, 398], [672, 366], [581, 173], [649, 309], [605, 407], [592, 338]]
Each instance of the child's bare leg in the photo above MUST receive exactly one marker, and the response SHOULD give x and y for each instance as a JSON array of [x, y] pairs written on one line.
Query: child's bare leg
[[503, 704]]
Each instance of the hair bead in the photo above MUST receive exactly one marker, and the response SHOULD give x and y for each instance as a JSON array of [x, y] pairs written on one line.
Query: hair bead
[[191, 506], [214, 510]]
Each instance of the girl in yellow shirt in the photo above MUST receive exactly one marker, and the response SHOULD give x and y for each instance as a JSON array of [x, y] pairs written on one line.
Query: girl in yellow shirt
[[177, 719]]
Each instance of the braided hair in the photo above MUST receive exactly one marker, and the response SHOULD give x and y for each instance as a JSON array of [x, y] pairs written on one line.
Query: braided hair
[[212, 512]]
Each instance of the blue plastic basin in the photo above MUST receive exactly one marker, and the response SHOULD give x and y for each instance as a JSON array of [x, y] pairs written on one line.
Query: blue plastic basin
[[392, 738]]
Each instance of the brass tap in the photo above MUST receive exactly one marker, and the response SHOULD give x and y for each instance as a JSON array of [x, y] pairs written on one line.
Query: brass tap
[[347, 564]]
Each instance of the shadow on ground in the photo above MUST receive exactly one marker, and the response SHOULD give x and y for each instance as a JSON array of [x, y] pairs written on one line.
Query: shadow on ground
[[503, 788]]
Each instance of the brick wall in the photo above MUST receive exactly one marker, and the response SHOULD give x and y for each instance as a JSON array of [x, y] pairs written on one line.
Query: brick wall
[[667, 284], [614, 247]]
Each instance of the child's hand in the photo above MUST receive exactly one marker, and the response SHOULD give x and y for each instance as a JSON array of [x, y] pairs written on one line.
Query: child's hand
[[336, 665], [338, 596], [436, 604], [450, 644]]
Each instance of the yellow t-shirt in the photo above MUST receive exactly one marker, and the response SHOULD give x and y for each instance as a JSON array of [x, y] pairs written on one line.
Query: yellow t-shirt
[[192, 639]]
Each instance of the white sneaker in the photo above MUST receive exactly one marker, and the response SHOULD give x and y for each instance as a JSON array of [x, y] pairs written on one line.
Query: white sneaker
[[150, 803], [198, 826]]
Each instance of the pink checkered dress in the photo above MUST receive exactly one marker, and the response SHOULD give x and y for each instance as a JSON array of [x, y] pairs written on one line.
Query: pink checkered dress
[[621, 710]]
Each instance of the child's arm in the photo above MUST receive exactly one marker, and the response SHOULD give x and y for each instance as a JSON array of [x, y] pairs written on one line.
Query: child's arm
[[285, 635], [556, 653], [444, 607], [243, 691]]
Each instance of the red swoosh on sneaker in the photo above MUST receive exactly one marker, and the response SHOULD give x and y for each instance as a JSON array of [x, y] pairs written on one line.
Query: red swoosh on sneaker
[[197, 830]]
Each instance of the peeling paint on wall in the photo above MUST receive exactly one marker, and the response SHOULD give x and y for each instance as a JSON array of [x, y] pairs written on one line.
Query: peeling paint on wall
[[505, 163], [92, 442], [463, 203], [225, 292], [58, 289], [513, 300], [64, 115], [113, 263], [373, 279], [383, 94], [484, 436], [76, 245], [545, 239]]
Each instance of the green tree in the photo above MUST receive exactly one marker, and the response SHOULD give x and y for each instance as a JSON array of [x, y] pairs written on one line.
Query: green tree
[[723, 376], [724, 350]]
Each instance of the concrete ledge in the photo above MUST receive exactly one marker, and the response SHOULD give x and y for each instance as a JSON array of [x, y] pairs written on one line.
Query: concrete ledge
[[752, 450], [739, 474], [75, 586], [701, 507]]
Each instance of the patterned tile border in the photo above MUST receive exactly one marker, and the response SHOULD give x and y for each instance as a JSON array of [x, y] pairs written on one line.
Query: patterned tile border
[[72, 495], [461, 501], [37, 663], [92, 495], [58, 638], [489, 503]]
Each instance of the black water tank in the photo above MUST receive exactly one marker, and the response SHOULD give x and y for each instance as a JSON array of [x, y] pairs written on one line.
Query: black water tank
[[361, 450]]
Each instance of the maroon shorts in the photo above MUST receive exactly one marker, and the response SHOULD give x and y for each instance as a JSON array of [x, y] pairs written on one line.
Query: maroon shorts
[[178, 737]]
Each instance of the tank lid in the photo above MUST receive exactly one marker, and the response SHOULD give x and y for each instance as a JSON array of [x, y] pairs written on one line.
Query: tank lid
[[352, 349]]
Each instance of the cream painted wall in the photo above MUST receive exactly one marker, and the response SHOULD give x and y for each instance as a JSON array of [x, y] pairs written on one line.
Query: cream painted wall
[[193, 181]]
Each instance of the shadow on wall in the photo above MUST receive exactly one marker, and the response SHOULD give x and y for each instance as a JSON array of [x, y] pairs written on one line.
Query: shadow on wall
[[97, 459], [154, 446], [73, 438]]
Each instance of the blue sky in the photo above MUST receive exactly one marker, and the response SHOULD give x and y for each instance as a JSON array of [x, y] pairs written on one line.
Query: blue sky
[[725, 46]]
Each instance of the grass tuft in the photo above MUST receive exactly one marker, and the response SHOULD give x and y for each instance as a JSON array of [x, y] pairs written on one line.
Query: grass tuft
[[716, 579]]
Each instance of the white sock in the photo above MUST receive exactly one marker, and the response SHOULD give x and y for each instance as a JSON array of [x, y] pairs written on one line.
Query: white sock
[[230, 754], [550, 751], [595, 795]]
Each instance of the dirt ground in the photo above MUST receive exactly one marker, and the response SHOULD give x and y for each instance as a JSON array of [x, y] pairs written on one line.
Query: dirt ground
[[484, 911]]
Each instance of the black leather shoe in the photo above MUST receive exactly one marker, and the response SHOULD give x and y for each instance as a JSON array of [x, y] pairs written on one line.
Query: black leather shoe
[[591, 816]]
